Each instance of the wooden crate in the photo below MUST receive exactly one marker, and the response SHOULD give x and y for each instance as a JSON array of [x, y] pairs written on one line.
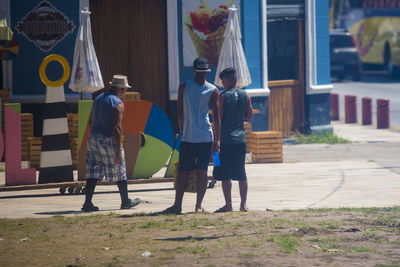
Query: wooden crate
[[266, 147], [26, 132], [73, 125], [73, 143], [247, 130], [5, 96], [132, 96], [35, 146]]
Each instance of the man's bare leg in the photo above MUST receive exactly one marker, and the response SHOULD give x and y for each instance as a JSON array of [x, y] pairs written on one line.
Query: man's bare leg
[[201, 189], [243, 195], [227, 189], [181, 185]]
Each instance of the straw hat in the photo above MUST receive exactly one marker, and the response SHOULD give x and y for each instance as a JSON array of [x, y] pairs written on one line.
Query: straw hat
[[120, 81]]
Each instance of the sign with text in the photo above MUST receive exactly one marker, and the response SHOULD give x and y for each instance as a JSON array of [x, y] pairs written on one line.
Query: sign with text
[[41, 28]]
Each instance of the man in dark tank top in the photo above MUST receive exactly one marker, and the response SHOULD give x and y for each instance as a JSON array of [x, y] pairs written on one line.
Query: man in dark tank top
[[235, 107]]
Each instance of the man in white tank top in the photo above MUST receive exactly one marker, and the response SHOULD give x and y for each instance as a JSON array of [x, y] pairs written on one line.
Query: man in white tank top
[[195, 98]]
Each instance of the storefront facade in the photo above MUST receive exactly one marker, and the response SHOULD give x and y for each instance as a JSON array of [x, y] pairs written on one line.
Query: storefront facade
[[286, 44]]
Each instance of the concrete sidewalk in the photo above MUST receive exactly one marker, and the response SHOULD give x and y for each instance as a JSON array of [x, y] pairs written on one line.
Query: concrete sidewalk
[[312, 176]]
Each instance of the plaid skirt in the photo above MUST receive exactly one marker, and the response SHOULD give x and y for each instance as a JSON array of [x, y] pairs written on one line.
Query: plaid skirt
[[101, 152]]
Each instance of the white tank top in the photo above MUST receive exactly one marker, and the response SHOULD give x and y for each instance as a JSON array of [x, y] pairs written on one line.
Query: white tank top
[[196, 124]]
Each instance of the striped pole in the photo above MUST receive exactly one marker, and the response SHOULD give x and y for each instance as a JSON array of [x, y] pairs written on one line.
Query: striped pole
[[55, 157]]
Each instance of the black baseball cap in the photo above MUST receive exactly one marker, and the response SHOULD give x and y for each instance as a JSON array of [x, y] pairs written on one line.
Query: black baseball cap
[[200, 64]]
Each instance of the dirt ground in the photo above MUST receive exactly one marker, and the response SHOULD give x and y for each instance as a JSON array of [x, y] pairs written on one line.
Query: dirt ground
[[324, 237]]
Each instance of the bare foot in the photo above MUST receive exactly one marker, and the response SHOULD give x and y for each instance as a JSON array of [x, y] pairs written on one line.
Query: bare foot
[[244, 208], [198, 209]]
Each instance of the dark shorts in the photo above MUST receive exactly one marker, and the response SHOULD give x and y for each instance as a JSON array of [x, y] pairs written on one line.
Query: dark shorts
[[232, 159], [194, 156]]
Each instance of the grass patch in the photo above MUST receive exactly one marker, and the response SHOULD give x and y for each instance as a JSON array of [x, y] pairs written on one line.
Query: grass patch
[[330, 225], [361, 249], [196, 249], [328, 138], [326, 244], [249, 254], [374, 237], [387, 220], [397, 242], [207, 239], [201, 222], [150, 224], [288, 243], [256, 244]]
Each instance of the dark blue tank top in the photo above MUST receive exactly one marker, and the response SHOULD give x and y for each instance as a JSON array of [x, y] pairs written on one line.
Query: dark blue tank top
[[235, 107], [103, 113]]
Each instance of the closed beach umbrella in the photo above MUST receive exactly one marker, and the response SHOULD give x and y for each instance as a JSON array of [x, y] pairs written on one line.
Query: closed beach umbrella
[[232, 55], [5, 32], [86, 76], [9, 48]]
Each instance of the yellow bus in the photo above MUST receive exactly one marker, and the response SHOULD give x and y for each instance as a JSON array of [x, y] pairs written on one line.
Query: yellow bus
[[375, 27]]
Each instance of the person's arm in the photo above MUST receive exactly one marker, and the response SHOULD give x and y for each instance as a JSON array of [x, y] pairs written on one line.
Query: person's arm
[[214, 99], [117, 130], [221, 106], [90, 120], [181, 89], [249, 111]]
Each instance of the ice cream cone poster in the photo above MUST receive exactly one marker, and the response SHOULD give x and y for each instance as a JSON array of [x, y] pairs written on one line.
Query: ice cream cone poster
[[204, 23]]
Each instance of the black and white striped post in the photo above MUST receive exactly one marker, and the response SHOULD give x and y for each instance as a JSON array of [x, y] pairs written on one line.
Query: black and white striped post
[[55, 157]]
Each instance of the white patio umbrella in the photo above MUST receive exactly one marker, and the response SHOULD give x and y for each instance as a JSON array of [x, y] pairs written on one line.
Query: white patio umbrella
[[232, 55], [86, 76]]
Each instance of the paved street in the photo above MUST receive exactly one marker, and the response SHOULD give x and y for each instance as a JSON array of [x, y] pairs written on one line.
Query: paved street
[[375, 85], [365, 173]]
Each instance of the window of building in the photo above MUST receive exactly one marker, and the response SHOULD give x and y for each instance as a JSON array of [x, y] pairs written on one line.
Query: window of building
[[283, 38]]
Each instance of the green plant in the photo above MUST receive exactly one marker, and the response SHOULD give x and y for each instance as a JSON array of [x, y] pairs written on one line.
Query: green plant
[[256, 244], [328, 138], [288, 243], [362, 249]]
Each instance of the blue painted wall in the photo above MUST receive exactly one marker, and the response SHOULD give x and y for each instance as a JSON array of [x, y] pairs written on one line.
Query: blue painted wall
[[322, 41], [317, 110], [260, 121], [252, 39], [317, 106], [26, 65], [252, 46]]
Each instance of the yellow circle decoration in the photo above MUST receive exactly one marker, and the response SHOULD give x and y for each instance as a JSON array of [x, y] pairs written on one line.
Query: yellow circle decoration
[[42, 70]]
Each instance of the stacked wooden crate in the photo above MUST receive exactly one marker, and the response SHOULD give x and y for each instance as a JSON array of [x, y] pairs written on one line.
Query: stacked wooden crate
[[26, 132], [73, 136], [266, 147], [5, 96], [247, 129], [35, 146], [132, 96]]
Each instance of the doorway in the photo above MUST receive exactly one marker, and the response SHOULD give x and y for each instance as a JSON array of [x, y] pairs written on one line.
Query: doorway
[[286, 68], [130, 38]]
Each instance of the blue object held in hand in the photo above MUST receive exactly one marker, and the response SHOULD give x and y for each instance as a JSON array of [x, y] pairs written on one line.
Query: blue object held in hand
[[217, 163]]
